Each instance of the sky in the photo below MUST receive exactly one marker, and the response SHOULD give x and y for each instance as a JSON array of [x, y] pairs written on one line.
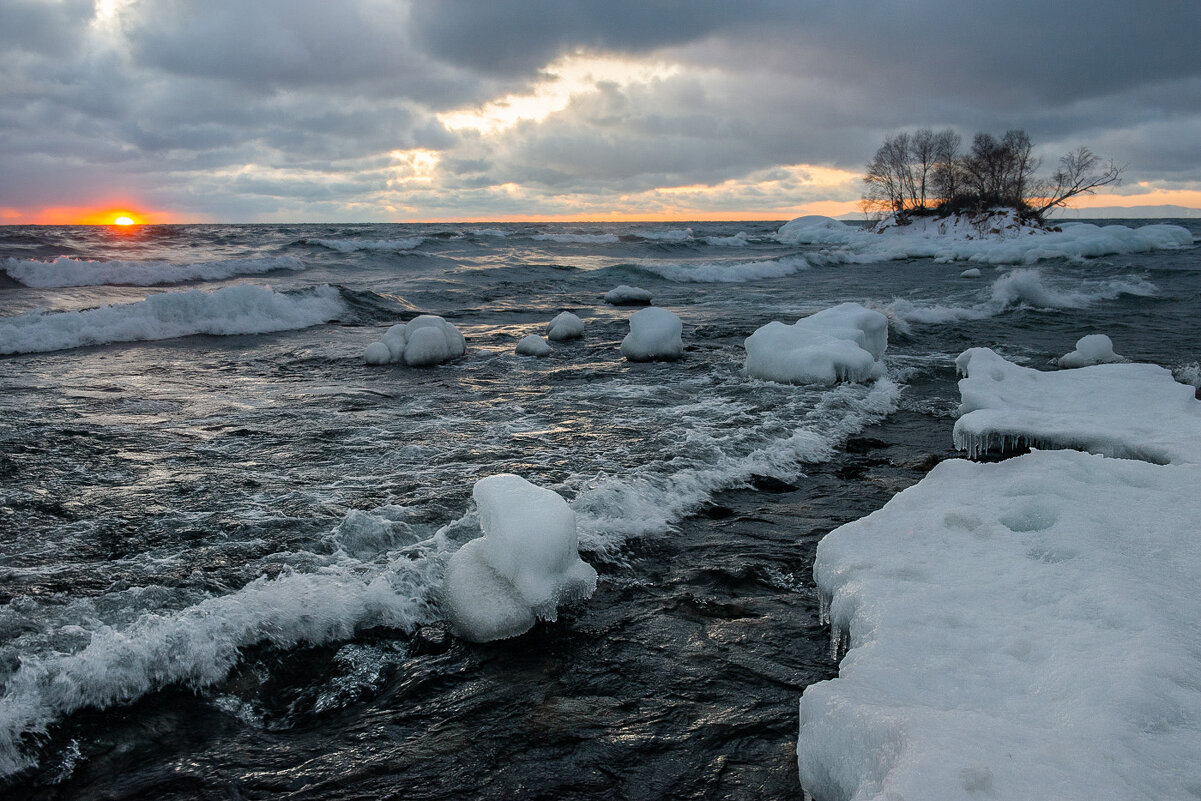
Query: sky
[[391, 111]]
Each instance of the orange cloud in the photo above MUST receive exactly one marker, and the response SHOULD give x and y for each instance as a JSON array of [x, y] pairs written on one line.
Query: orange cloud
[[83, 215]]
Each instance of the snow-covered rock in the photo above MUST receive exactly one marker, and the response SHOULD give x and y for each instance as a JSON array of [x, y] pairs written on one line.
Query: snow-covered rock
[[533, 345], [971, 272], [654, 335], [1135, 411], [524, 567], [843, 343], [628, 296], [565, 326], [1091, 349], [1026, 629], [421, 342]]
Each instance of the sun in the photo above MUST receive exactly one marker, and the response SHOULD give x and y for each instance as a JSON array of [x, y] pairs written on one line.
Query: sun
[[123, 220]]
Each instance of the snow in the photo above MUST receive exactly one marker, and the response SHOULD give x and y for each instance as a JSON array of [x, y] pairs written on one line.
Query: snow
[[971, 272], [1018, 630], [1090, 349], [421, 342], [628, 296], [244, 309], [565, 326], [524, 567], [654, 335], [66, 271], [814, 229], [533, 345], [1127, 410], [843, 343]]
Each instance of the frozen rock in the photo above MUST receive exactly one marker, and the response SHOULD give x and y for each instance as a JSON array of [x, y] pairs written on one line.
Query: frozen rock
[[654, 335], [421, 342], [565, 326], [628, 296], [524, 567], [1135, 411], [843, 343], [533, 345], [1091, 349]]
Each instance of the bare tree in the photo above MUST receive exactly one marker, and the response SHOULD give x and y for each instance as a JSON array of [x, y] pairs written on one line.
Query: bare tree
[[1080, 172], [923, 154], [947, 180]]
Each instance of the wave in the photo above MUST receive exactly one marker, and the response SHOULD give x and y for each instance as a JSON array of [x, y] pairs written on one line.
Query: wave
[[724, 272], [66, 271], [355, 245], [578, 239], [243, 309]]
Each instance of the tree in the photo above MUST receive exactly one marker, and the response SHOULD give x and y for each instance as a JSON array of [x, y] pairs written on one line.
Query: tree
[[1080, 172]]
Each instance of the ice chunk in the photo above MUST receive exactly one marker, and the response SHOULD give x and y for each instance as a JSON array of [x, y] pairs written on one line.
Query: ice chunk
[[628, 296], [1018, 630], [1091, 349], [421, 342], [1134, 411], [524, 567], [843, 343], [533, 345], [971, 272], [817, 230], [654, 335], [565, 326]]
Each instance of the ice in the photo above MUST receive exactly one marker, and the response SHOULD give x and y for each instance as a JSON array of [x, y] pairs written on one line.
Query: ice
[[421, 342], [242, 309], [65, 271], [654, 335], [843, 343], [1129, 410], [533, 345], [565, 326], [1018, 630], [1091, 349], [971, 272], [628, 296], [817, 230], [524, 567]]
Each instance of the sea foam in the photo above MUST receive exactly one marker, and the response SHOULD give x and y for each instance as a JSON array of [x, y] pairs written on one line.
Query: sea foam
[[66, 271]]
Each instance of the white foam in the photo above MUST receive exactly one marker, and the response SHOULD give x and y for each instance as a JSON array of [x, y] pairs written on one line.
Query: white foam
[[1127, 410], [1017, 630], [230, 310], [654, 335], [843, 343], [738, 240], [66, 271], [667, 235], [354, 245], [578, 239], [725, 272]]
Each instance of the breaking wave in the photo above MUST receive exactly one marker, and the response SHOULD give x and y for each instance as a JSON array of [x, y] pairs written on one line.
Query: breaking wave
[[66, 271]]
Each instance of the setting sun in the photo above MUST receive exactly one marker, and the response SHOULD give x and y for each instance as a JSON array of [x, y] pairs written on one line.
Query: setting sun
[[123, 220]]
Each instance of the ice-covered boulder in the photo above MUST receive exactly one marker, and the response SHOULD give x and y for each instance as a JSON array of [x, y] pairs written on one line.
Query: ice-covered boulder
[[565, 326], [524, 567], [814, 229], [1133, 411], [422, 341], [843, 343], [628, 296], [1018, 630], [654, 336], [1091, 349], [971, 272], [533, 345]]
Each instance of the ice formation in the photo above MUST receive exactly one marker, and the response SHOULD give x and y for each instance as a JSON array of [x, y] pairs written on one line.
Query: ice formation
[[66, 271], [1090, 349], [565, 326], [421, 342], [817, 230], [654, 336], [843, 343], [970, 272], [524, 567], [628, 296], [244, 309], [1128, 410], [533, 345], [1018, 630]]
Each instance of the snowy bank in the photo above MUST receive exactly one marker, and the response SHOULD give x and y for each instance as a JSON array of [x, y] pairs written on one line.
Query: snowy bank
[[654, 335], [524, 567], [1017, 630], [423, 341], [1135, 411], [843, 343]]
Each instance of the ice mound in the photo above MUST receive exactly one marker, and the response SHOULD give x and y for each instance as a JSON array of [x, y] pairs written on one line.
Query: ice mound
[[1091, 349], [628, 296], [1018, 630], [423, 341], [843, 343], [565, 326], [971, 272], [242, 309], [654, 336], [66, 271], [817, 230], [1135, 411], [533, 345], [525, 566]]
